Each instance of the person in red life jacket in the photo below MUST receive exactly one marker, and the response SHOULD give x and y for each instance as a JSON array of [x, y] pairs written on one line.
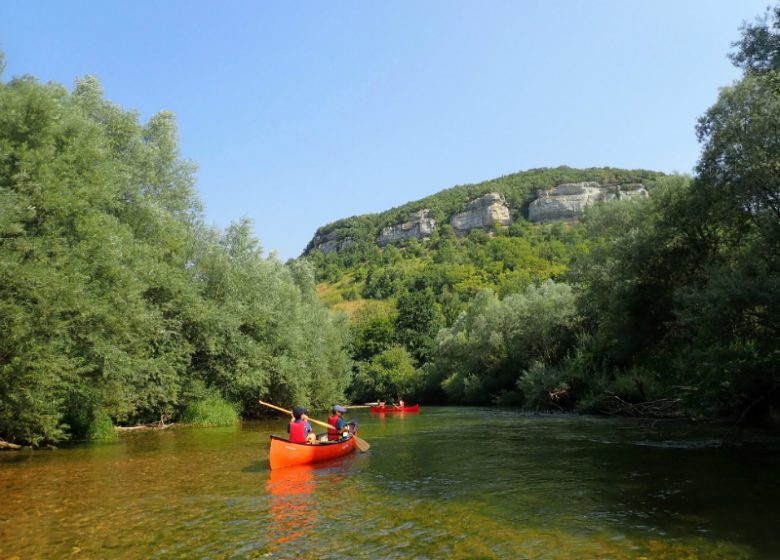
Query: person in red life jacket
[[339, 428], [299, 428]]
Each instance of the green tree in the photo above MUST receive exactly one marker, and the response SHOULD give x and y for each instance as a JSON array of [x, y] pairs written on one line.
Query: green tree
[[418, 321], [372, 332], [685, 285], [116, 304], [759, 48], [494, 341], [385, 376]]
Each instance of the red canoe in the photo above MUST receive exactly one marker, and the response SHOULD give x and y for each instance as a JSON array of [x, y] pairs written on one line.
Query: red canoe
[[285, 453], [414, 408]]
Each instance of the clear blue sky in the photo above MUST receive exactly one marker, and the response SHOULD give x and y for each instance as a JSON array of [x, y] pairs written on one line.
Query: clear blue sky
[[301, 113]]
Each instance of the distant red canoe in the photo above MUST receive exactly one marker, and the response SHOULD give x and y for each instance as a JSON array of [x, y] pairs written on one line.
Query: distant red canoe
[[284, 453], [414, 408]]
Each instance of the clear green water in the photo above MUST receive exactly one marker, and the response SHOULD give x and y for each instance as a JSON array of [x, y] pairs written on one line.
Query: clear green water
[[445, 483]]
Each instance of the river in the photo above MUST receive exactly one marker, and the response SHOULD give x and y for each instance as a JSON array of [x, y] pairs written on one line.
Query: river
[[444, 483]]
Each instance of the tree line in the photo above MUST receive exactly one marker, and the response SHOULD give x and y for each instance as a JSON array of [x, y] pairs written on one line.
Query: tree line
[[118, 305]]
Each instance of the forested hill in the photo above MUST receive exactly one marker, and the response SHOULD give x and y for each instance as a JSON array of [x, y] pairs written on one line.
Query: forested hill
[[660, 305], [357, 233], [461, 316]]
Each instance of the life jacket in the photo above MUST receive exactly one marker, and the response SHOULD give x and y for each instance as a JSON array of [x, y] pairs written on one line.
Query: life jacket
[[333, 433], [297, 432]]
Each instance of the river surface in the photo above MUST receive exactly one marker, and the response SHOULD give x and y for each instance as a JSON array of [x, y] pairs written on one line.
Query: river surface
[[444, 483]]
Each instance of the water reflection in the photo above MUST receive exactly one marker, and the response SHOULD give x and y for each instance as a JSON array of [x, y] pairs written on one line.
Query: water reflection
[[400, 415], [291, 509]]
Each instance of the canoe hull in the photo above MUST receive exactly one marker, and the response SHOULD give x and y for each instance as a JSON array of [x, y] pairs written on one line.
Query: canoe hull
[[415, 408], [284, 453]]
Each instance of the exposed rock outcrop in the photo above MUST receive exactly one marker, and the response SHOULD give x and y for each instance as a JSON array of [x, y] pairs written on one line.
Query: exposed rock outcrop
[[566, 202], [330, 242], [632, 191], [419, 225], [563, 202], [483, 213]]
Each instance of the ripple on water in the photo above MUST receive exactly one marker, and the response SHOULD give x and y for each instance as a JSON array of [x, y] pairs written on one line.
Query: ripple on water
[[455, 483]]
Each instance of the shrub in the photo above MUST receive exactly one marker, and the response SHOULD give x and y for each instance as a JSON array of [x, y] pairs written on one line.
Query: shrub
[[101, 426], [544, 387], [210, 411], [94, 423]]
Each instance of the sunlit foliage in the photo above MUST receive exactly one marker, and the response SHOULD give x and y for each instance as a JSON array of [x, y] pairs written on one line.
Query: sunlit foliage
[[116, 304]]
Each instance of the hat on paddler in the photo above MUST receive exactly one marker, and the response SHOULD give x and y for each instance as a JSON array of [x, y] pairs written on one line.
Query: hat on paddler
[[299, 410], [338, 408]]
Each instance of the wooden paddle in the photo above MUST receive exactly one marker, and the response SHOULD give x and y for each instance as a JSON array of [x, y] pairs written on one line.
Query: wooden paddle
[[360, 443]]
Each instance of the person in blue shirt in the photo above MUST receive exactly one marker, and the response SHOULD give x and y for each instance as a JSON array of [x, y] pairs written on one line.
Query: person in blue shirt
[[338, 426]]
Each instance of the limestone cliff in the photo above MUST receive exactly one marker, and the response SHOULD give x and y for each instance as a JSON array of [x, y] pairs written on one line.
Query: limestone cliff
[[540, 195], [482, 213], [329, 243], [418, 225], [566, 202]]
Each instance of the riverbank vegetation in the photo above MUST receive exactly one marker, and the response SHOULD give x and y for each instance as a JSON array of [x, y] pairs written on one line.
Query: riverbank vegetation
[[212, 410]]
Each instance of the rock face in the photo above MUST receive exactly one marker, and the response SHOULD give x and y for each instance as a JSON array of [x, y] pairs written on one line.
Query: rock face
[[566, 202], [483, 213], [563, 202], [419, 225], [332, 242], [632, 191]]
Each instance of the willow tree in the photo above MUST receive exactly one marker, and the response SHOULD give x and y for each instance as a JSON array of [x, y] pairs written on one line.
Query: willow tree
[[116, 304]]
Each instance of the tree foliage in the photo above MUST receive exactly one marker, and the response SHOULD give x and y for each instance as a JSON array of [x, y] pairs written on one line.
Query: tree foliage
[[387, 376], [689, 289], [115, 301], [485, 352]]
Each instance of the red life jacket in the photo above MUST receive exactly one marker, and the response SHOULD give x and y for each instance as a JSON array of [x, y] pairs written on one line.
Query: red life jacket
[[297, 432], [333, 433]]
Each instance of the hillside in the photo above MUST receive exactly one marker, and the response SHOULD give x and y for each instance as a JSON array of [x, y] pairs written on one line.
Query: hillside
[[471, 259], [356, 234]]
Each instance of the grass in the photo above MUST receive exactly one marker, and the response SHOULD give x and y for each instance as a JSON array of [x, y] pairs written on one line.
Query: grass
[[211, 411]]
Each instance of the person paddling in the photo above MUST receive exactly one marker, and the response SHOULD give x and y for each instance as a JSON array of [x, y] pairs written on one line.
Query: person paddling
[[339, 426], [299, 428]]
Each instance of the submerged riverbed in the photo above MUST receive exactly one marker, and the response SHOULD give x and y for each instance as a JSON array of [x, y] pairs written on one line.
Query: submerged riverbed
[[447, 482]]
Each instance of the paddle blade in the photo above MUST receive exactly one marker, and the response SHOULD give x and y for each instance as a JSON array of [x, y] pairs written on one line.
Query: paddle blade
[[361, 444]]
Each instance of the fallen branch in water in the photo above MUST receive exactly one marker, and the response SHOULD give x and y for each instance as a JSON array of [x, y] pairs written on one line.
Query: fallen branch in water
[[658, 408], [5, 445], [143, 427]]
